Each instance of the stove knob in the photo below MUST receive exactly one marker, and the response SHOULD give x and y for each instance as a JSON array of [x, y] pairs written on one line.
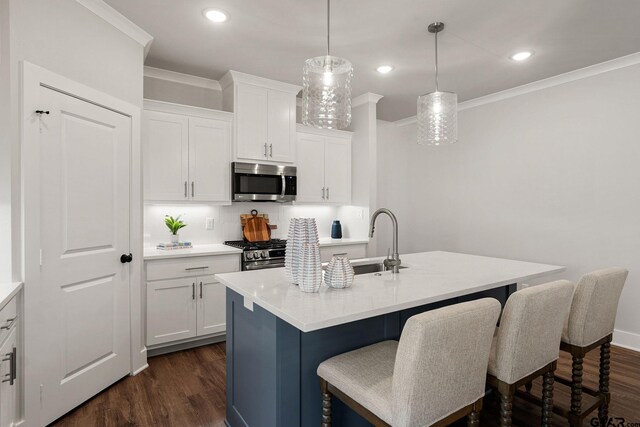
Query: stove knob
[[249, 255], [264, 254]]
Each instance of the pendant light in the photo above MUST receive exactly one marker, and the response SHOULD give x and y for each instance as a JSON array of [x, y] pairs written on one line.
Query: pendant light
[[437, 111], [326, 90]]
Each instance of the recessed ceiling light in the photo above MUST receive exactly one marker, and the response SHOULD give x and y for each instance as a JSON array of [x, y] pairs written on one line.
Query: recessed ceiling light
[[215, 15], [521, 56], [384, 69]]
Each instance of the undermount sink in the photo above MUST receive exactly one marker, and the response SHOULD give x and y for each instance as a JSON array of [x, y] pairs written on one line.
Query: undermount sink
[[370, 268]]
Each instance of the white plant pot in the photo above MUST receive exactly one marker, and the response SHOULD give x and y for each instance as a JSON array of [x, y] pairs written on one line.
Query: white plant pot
[[175, 238]]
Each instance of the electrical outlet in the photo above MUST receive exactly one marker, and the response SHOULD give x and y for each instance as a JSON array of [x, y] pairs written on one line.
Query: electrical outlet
[[209, 224]]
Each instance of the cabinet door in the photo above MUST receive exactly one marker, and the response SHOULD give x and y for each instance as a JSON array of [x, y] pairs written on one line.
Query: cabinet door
[[165, 154], [211, 306], [310, 168], [171, 310], [252, 122], [337, 170], [282, 126], [209, 160], [7, 390]]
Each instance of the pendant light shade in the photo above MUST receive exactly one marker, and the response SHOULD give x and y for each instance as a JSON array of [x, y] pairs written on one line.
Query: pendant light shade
[[437, 111], [326, 89]]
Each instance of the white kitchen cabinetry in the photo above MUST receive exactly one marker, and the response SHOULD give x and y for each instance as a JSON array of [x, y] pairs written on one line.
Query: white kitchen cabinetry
[[324, 166], [265, 113], [9, 402], [184, 301], [186, 153]]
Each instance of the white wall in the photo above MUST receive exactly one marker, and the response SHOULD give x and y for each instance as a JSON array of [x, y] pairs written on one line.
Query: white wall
[[178, 93], [550, 176], [5, 146]]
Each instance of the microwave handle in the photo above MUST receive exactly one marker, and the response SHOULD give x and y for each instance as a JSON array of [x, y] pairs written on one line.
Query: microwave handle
[[284, 185]]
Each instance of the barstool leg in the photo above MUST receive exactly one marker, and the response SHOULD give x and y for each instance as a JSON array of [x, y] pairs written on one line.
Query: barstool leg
[[473, 419], [528, 386], [547, 398], [506, 407], [326, 404], [603, 387], [576, 385]]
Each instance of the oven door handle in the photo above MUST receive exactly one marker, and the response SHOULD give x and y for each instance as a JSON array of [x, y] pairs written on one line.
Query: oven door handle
[[284, 185]]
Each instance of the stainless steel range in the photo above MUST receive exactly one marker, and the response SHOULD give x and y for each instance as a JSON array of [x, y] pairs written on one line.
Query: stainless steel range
[[258, 256]]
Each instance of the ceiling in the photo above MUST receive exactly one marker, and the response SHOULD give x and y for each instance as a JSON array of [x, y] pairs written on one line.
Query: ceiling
[[273, 38]]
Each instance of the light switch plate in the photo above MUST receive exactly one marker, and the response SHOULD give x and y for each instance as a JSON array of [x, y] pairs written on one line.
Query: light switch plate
[[209, 224]]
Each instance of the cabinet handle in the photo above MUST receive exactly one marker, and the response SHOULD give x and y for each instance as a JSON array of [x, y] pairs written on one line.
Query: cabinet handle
[[200, 290], [185, 190], [193, 191], [14, 366], [265, 149], [10, 324], [271, 150], [327, 193], [322, 193], [196, 268], [11, 375], [193, 290]]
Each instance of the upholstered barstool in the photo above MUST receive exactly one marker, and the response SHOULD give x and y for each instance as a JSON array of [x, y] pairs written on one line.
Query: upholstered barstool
[[435, 375], [589, 326], [526, 345]]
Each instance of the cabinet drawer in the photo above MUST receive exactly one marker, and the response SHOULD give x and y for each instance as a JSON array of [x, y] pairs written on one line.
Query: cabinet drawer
[[192, 266], [8, 316], [350, 251]]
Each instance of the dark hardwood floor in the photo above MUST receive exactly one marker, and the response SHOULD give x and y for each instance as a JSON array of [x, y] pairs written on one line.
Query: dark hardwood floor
[[188, 389]]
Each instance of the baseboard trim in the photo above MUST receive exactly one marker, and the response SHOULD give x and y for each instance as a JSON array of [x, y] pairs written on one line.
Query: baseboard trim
[[625, 339], [185, 345], [140, 369]]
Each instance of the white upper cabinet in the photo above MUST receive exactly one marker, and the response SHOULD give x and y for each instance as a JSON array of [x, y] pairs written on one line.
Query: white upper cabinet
[[165, 145], [186, 153], [265, 117], [324, 166]]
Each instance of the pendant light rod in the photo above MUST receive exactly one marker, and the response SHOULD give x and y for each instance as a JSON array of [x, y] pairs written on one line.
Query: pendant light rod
[[328, 27], [435, 28]]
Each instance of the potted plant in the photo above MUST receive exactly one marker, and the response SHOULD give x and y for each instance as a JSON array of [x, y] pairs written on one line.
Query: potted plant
[[174, 224]]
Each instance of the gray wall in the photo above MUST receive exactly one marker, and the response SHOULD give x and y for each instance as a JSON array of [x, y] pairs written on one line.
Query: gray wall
[[5, 146], [549, 176], [168, 91], [66, 38]]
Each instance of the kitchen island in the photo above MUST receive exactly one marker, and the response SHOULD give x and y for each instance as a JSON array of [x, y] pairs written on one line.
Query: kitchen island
[[277, 335]]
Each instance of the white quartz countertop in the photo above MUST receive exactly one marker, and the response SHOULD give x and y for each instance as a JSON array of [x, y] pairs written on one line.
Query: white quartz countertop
[[430, 277], [196, 250], [8, 291]]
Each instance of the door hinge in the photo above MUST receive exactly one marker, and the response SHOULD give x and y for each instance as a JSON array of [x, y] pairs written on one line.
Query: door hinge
[[40, 257], [41, 393]]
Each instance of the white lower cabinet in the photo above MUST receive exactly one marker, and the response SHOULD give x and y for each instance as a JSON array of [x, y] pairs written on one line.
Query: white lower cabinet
[[181, 308], [9, 402]]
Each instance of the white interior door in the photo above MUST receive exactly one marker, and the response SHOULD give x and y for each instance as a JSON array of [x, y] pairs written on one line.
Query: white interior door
[[165, 147], [171, 310], [209, 160], [212, 317], [282, 122], [84, 323], [337, 166], [310, 168]]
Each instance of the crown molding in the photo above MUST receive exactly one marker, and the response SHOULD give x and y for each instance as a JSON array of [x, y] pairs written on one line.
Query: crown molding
[[366, 98], [119, 21], [186, 79], [560, 79], [237, 77]]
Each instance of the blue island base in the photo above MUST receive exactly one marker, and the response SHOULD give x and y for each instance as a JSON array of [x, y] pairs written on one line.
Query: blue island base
[[271, 365]]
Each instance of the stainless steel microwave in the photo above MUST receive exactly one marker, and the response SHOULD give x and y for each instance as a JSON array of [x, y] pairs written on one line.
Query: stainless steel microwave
[[254, 182]]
